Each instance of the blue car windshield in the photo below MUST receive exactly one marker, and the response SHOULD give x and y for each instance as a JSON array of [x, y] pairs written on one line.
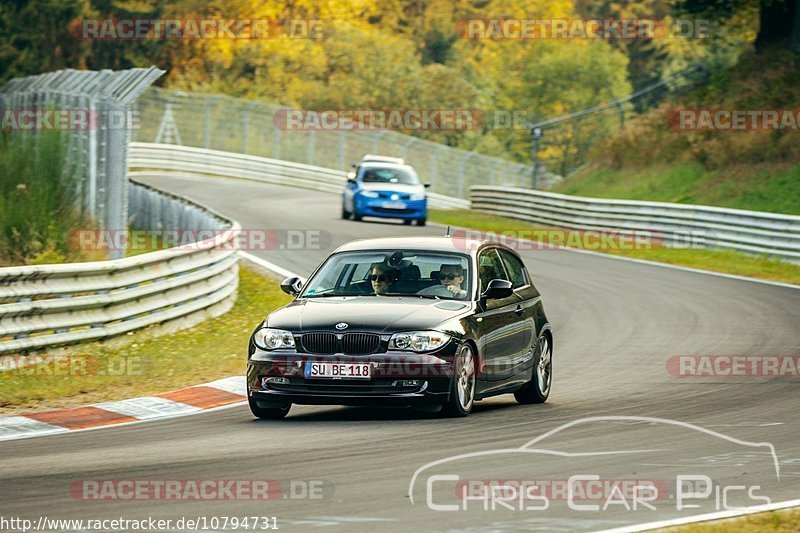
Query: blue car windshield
[[389, 175], [414, 273]]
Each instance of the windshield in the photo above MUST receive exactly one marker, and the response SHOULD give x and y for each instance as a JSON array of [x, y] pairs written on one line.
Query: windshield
[[392, 273], [389, 175]]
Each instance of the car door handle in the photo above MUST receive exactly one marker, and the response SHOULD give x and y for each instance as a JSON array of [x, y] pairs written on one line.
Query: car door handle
[[519, 310]]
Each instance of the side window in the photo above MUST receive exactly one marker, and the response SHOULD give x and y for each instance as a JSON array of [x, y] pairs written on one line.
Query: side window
[[361, 271], [515, 269], [490, 267]]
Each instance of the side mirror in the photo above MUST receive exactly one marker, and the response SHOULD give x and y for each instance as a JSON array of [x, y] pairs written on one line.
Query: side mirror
[[292, 286], [427, 185], [498, 289], [351, 177]]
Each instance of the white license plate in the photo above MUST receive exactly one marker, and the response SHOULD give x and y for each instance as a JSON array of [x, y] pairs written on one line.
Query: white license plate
[[394, 205], [338, 370]]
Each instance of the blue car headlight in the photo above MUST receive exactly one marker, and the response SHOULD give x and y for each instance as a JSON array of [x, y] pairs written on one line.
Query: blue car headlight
[[417, 196], [369, 194]]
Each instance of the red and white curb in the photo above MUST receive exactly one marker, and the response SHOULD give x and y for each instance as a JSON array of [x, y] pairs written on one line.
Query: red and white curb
[[220, 393]]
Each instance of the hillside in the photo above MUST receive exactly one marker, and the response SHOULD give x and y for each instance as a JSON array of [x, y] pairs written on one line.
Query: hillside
[[652, 158]]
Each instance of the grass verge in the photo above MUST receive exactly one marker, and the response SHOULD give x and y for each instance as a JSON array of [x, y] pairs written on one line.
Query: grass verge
[[96, 372], [38, 201], [768, 187], [725, 261], [779, 521]]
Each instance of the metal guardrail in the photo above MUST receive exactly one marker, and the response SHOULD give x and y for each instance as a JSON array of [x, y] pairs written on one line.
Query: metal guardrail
[[151, 157], [676, 224], [47, 305]]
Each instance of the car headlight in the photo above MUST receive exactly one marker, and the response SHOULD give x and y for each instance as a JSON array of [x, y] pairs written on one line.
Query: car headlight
[[273, 339], [370, 194], [417, 196], [418, 341]]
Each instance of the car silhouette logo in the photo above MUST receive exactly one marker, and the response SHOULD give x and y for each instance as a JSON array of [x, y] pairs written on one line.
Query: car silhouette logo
[[395, 197], [341, 325]]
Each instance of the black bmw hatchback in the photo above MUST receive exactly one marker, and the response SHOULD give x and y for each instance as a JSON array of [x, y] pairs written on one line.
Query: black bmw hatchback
[[429, 322]]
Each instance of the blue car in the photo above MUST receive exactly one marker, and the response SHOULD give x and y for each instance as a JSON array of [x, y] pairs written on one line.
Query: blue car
[[384, 187]]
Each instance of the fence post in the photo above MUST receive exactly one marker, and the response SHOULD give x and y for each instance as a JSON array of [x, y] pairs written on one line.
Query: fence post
[[342, 149], [246, 127], [207, 123], [310, 146], [375, 138], [409, 142], [276, 140], [463, 173]]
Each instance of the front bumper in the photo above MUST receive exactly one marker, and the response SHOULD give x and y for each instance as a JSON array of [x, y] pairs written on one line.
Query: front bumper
[[389, 383], [368, 207]]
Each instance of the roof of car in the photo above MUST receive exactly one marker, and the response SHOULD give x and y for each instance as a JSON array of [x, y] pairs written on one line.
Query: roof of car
[[455, 243], [371, 158], [384, 164]]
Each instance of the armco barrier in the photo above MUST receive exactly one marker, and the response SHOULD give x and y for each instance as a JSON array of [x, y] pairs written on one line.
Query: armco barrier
[[47, 305], [676, 224], [150, 157]]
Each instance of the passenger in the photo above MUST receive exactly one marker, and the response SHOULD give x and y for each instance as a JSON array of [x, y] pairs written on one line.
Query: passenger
[[452, 276], [382, 277]]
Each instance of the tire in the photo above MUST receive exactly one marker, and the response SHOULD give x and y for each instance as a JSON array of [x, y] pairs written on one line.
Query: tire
[[407, 222], [345, 213], [538, 388], [268, 413], [462, 386], [421, 221], [357, 218]]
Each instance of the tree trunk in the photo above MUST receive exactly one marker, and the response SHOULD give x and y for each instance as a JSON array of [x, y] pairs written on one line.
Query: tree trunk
[[780, 23]]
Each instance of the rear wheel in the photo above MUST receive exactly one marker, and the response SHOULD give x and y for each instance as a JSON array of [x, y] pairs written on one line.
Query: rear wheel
[[538, 388], [407, 222], [268, 413], [462, 386]]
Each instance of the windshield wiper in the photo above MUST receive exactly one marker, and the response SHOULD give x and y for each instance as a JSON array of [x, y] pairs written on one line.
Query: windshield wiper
[[325, 295], [426, 296]]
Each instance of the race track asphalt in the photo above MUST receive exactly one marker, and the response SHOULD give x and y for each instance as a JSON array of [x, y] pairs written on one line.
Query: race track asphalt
[[616, 323]]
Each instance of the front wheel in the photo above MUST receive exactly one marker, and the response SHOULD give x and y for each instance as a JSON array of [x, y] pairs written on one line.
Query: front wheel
[[345, 213], [268, 413], [538, 388], [462, 386], [421, 221]]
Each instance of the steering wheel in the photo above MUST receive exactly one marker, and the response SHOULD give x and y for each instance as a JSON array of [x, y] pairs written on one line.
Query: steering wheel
[[436, 290]]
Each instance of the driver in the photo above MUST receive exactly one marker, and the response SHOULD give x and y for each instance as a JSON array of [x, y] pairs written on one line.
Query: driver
[[452, 276], [381, 277]]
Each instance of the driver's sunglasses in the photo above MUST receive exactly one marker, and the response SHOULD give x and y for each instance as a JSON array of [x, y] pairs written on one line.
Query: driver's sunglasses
[[379, 277], [449, 277]]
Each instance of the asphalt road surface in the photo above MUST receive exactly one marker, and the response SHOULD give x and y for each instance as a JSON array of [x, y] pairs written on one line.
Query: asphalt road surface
[[616, 324]]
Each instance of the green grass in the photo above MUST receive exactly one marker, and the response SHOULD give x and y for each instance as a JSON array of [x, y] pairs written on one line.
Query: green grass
[[782, 521], [650, 159], [726, 261], [213, 349], [38, 199], [759, 187]]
